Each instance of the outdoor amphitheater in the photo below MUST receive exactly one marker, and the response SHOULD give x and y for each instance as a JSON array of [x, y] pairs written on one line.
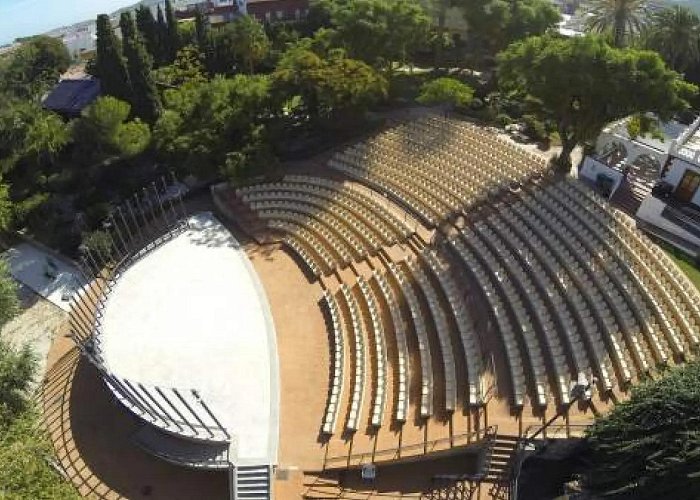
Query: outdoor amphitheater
[[412, 309]]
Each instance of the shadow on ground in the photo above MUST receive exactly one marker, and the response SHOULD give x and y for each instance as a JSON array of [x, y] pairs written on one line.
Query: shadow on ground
[[91, 436]]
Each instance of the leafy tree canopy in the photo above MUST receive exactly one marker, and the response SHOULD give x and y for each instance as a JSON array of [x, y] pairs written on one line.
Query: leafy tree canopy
[[203, 122], [187, 67], [326, 79], [446, 91], [675, 34], [103, 131], [380, 32], [249, 41], [24, 470], [35, 67], [649, 446], [494, 24], [9, 306], [110, 65], [582, 83], [29, 136], [145, 97], [623, 20]]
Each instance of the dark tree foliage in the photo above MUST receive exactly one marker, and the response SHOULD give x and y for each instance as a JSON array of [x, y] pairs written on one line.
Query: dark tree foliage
[[610, 84], [146, 101], [649, 446], [162, 36], [172, 33], [494, 24], [146, 24], [35, 67], [110, 66]]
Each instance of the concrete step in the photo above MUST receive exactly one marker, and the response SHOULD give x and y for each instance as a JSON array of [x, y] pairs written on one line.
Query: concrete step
[[253, 482]]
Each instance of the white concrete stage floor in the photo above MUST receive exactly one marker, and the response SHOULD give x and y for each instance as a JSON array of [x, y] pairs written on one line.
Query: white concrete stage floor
[[192, 314]]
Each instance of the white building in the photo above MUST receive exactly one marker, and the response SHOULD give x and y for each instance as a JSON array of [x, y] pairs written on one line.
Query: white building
[[669, 166]]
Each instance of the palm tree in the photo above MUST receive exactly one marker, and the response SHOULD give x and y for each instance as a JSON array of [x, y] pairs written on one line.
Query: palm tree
[[675, 34], [624, 18]]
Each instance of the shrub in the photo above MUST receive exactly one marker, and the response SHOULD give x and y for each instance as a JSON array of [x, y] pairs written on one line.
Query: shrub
[[503, 120], [534, 128]]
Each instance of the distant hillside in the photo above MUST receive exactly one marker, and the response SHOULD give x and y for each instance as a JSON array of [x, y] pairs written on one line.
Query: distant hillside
[[116, 13], [693, 4]]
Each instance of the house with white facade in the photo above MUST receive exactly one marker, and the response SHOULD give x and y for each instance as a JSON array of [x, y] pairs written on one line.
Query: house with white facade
[[657, 179]]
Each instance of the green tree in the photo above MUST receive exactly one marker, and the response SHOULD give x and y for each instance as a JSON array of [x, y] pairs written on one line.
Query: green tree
[[148, 28], [16, 370], [187, 67], [495, 24], [172, 33], [649, 446], [110, 65], [146, 101], [202, 31], [6, 213], [204, 122], [328, 82], [675, 34], [35, 67], [25, 472], [31, 138], [610, 84], [623, 19], [249, 41], [447, 92], [104, 132], [380, 32]]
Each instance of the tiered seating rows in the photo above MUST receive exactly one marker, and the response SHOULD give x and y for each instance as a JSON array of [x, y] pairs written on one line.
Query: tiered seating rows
[[298, 239], [633, 281], [401, 347], [505, 327], [443, 333], [337, 365], [305, 214], [379, 402], [435, 180], [514, 303], [366, 205], [315, 207], [678, 310], [541, 314], [359, 348], [470, 343], [559, 292], [426, 403], [582, 275]]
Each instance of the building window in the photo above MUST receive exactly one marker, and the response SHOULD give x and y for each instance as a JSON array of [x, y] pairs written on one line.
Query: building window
[[297, 14], [280, 14], [268, 16], [688, 186]]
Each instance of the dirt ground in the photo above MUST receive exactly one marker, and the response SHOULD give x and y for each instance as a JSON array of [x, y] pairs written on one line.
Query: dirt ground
[[37, 325]]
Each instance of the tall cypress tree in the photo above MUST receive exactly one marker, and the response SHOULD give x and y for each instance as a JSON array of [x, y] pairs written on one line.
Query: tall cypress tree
[[173, 35], [201, 30], [162, 36], [146, 101], [110, 66], [146, 24]]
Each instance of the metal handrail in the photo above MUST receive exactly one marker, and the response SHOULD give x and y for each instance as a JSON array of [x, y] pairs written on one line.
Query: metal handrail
[[388, 454]]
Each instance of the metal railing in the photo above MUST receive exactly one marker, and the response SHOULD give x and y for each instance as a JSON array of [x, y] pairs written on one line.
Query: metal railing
[[143, 223], [411, 451]]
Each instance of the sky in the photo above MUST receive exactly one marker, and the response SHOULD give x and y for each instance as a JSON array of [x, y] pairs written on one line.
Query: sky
[[31, 17]]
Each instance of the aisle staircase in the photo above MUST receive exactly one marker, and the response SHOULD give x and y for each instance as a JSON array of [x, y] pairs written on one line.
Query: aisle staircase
[[251, 482]]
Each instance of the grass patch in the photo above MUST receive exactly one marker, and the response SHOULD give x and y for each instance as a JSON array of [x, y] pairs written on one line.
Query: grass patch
[[686, 264]]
